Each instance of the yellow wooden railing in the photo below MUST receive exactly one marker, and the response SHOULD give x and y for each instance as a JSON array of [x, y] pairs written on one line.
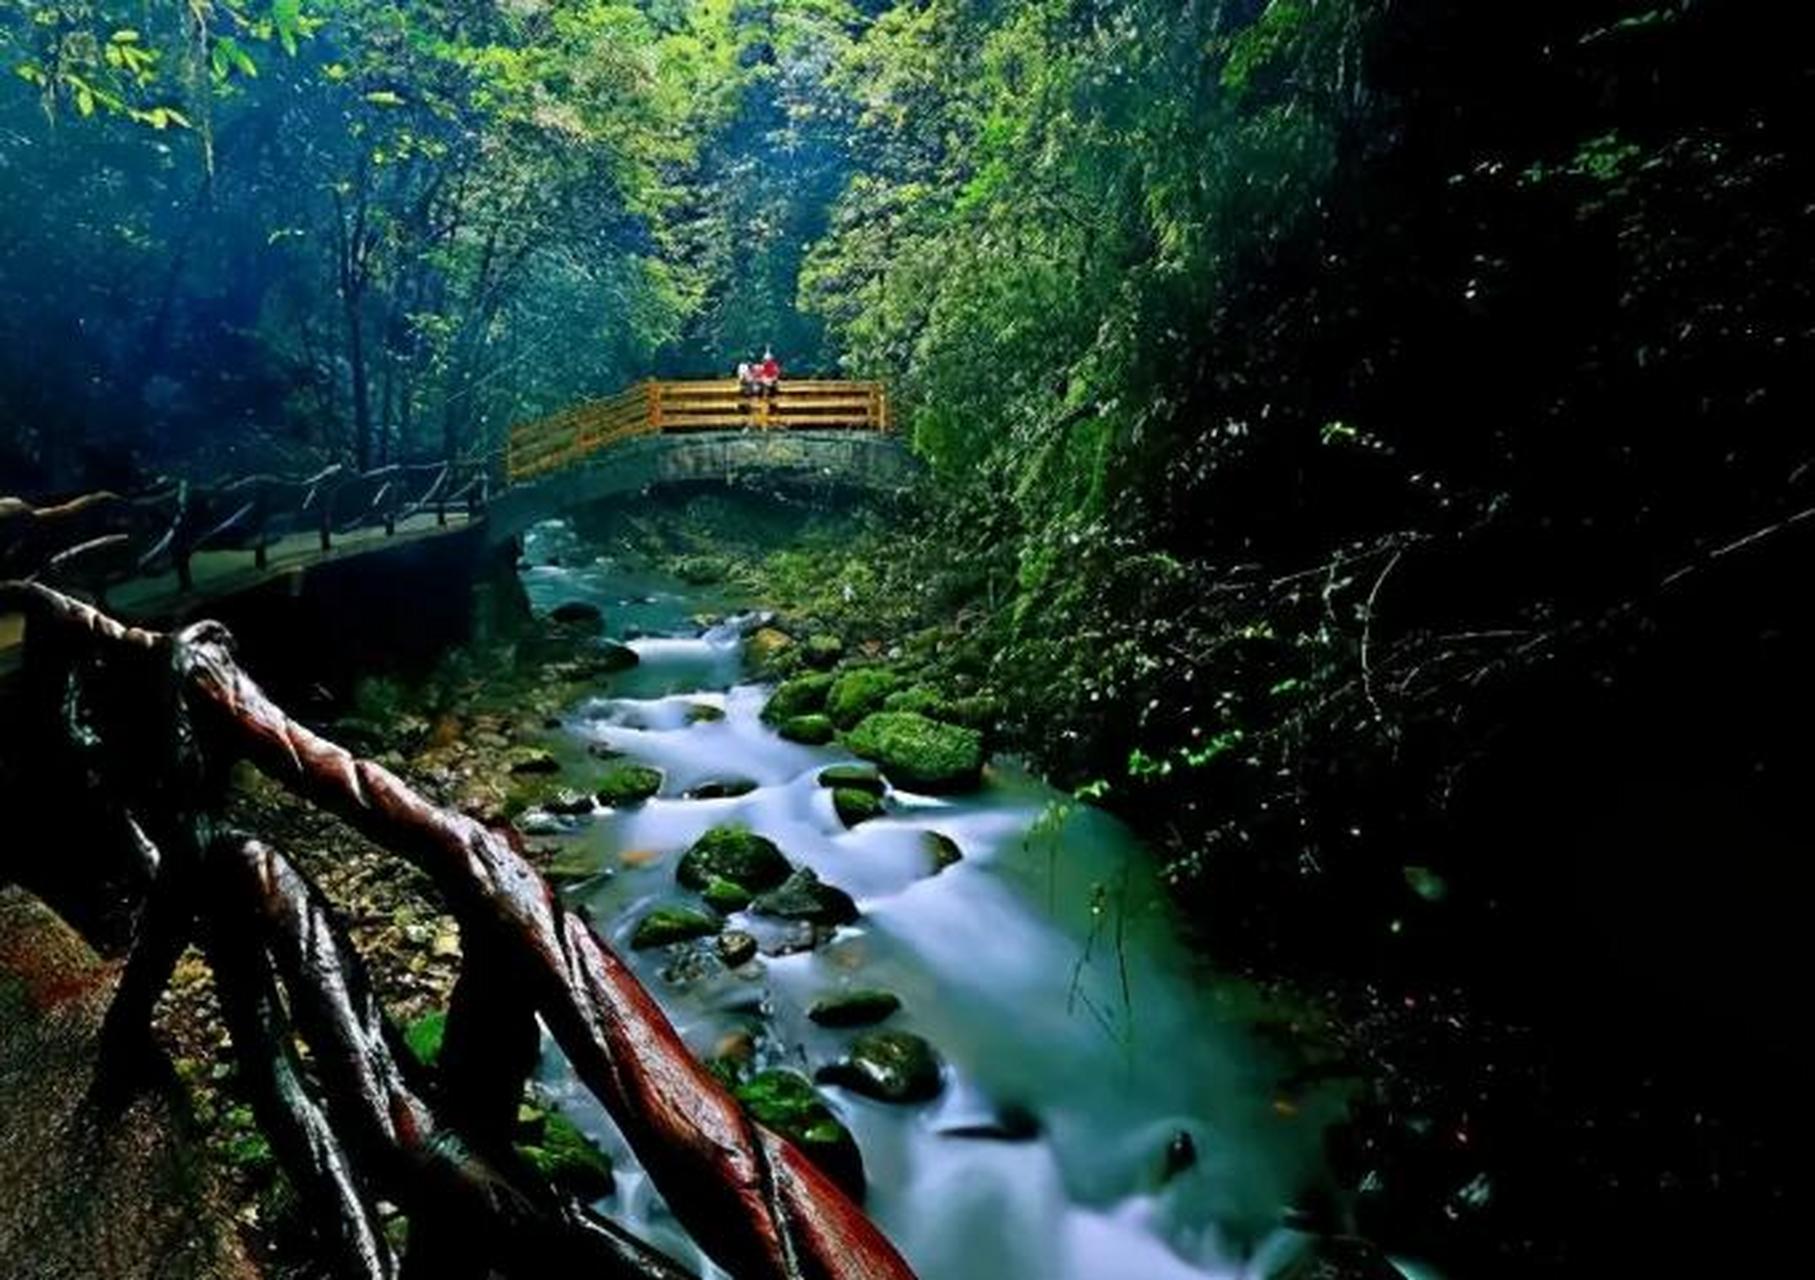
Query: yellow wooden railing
[[649, 408]]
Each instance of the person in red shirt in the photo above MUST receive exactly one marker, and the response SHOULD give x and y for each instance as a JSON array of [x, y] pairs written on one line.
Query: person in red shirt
[[768, 373]]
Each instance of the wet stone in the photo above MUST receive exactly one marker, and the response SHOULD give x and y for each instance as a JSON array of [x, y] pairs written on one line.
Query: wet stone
[[858, 1008], [854, 806], [735, 947], [721, 789], [804, 896], [667, 925], [890, 1066], [858, 777], [735, 854]]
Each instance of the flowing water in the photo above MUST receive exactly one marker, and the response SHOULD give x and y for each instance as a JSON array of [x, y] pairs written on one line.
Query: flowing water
[[1044, 967]]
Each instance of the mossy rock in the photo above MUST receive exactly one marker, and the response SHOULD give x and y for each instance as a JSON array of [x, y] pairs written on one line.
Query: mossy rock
[[578, 615], [666, 925], [822, 650], [804, 896], [922, 699], [855, 806], [704, 713], [722, 789], [858, 692], [765, 646], [803, 695], [424, 1036], [890, 1066], [736, 854], [726, 895], [943, 850], [917, 752], [859, 777], [810, 731], [975, 711], [857, 1008], [567, 802], [626, 784], [531, 761], [735, 947], [787, 1103], [610, 657], [567, 1158], [702, 570]]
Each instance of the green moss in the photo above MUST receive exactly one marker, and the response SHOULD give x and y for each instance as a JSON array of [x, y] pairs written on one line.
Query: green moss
[[736, 854], [823, 650], [855, 806], [917, 752], [424, 1036], [858, 692], [726, 895], [800, 696], [921, 698], [702, 570], [626, 784], [812, 731], [672, 924], [857, 1008], [787, 1103], [568, 1159], [862, 777]]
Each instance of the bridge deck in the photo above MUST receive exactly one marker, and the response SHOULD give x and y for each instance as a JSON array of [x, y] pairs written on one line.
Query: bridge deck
[[226, 572]]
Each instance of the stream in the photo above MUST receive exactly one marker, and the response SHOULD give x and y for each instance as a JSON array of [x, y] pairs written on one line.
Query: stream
[[1105, 1114]]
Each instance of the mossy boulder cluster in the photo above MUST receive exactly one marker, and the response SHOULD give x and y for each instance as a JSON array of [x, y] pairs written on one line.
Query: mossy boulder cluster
[[856, 693]]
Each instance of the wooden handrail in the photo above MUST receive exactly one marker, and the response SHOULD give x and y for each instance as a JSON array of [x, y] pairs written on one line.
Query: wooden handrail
[[703, 404]]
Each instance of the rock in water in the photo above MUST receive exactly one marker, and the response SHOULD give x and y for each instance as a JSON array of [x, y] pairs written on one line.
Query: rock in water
[[803, 695], [735, 947], [612, 657], [890, 1066], [944, 851], [672, 924], [552, 1145], [578, 615], [626, 784], [856, 806], [721, 789], [805, 897], [737, 854], [788, 1103], [704, 713], [813, 730], [863, 777], [858, 1008], [726, 895], [920, 753]]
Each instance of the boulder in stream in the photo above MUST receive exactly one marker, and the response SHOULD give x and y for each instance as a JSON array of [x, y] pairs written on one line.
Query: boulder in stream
[[721, 789], [735, 947], [919, 753], [855, 806], [725, 895], [787, 1103], [704, 713], [804, 896], [803, 695], [736, 854], [627, 784], [810, 730], [943, 850], [860, 1007], [611, 657], [890, 1066], [864, 777], [578, 615], [672, 924]]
